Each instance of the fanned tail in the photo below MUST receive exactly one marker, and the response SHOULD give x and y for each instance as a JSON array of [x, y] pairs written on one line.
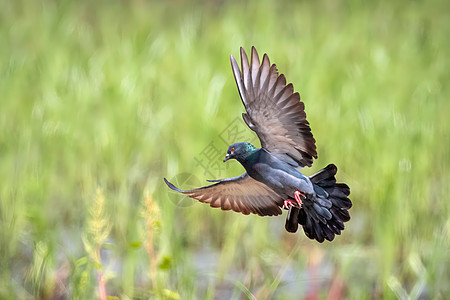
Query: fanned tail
[[324, 217]]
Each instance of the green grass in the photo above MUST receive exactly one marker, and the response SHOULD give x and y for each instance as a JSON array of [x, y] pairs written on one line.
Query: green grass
[[106, 98]]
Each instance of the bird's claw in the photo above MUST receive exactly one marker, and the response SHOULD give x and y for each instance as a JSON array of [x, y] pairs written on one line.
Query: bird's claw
[[298, 197], [297, 201], [288, 203]]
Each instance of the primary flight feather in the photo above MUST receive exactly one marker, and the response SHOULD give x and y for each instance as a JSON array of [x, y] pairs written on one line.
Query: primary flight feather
[[272, 180]]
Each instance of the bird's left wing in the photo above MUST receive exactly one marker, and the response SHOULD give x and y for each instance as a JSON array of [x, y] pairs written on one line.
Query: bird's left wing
[[274, 111], [241, 194]]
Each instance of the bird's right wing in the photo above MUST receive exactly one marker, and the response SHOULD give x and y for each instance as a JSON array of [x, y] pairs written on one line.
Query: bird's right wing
[[241, 194]]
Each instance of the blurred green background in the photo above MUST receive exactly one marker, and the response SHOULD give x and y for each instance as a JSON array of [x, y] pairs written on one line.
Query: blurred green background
[[102, 99]]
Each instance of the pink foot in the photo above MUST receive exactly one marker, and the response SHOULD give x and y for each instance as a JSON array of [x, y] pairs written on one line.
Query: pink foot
[[298, 197], [297, 202]]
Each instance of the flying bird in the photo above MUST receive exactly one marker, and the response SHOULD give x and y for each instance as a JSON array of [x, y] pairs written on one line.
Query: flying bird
[[272, 180]]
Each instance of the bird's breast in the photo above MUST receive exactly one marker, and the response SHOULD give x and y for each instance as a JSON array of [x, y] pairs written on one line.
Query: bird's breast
[[272, 177], [282, 182]]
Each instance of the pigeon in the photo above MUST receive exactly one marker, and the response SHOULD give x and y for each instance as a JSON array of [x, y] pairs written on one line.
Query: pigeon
[[272, 180]]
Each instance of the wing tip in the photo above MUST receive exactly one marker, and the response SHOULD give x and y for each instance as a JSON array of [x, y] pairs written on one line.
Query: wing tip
[[171, 186], [266, 60], [244, 60], [232, 59], [255, 53]]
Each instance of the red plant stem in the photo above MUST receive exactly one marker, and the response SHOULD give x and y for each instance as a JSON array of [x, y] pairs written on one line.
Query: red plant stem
[[101, 280]]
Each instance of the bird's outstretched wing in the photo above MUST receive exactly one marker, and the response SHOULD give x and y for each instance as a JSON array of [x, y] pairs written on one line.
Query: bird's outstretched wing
[[241, 194], [274, 111]]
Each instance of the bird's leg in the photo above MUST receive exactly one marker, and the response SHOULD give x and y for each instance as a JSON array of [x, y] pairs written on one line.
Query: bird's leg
[[297, 202]]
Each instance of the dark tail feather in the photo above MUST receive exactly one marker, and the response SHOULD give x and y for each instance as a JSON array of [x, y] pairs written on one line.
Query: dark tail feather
[[292, 219], [324, 217]]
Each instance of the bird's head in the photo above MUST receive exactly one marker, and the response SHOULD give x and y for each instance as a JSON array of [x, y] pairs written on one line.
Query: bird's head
[[240, 151]]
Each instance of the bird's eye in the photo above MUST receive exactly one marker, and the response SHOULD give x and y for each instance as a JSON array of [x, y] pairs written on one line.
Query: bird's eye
[[232, 149]]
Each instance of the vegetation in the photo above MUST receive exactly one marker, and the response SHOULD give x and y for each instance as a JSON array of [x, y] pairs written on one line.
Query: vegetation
[[102, 99]]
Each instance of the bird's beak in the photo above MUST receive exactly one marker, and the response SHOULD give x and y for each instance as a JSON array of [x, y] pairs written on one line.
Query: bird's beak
[[227, 157]]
